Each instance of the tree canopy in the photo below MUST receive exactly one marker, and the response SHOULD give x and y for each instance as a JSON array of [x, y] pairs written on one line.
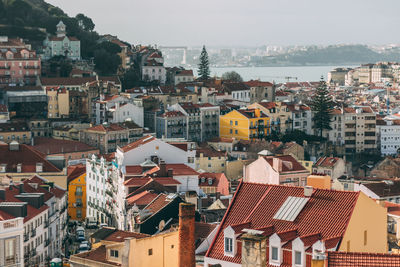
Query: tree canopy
[[322, 106], [204, 65], [232, 76]]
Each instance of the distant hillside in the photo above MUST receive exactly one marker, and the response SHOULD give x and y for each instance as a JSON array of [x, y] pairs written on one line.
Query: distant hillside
[[335, 55], [31, 19]]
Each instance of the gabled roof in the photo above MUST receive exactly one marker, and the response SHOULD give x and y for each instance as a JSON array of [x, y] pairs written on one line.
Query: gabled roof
[[119, 236], [327, 212], [57, 146], [289, 163], [144, 140], [27, 156], [327, 161], [257, 83], [385, 188]]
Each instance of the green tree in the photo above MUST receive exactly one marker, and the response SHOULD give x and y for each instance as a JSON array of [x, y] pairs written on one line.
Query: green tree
[[85, 23], [204, 65], [322, 106], [106, 63], [232, 76]]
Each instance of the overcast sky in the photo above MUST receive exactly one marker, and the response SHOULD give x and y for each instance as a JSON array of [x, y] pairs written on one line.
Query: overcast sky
[[242, 22]]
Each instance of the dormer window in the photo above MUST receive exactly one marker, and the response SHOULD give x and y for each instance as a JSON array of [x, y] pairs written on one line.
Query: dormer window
[[39, 167], [298, 253], [229, 242], [275, 250], [19, 167], [3, 167], [228, 245]]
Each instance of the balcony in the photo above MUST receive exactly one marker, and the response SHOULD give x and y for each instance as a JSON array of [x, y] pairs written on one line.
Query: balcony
[[46, 223], [46, 242], [26, 237], [78, 193], [124, 140], [112, 141], [33, 233], [4, 67], [31, 67]]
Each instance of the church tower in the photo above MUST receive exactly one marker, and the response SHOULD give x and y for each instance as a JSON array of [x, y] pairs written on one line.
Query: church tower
[[61, 29]]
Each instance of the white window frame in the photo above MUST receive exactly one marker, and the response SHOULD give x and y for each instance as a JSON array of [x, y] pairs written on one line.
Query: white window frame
[[275, 241]]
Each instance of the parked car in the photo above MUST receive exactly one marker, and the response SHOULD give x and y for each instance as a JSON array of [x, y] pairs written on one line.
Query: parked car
[[80, 234], [87, 243], [103, 225]]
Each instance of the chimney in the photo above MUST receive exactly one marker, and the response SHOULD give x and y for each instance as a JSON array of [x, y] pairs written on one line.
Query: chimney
[[163, 169], [277, 164], [186, 256], [308, 191], [254, 249]]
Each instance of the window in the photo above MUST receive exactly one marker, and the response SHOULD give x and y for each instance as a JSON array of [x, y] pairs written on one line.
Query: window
[[274, 253], [365, 237], [150, 252], [297, 257], [228, 244], [114, 253], [236, 123], [236, 131], [10, 251]]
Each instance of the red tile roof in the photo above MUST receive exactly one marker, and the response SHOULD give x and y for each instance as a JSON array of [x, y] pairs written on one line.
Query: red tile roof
[[268, 105], [179, 169], [97, 255], [144, 140], [75, 172], [136, 182], [351, 259], [257, 83], [119, 236], [142, 199], [113, 127], [289, 163], [327, 161], [327, 212], [27, 156], [180, 145], [216, 177], [57, 146]]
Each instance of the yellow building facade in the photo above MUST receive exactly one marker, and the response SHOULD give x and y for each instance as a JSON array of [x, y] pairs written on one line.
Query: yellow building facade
[[77, 198], [245, 124]]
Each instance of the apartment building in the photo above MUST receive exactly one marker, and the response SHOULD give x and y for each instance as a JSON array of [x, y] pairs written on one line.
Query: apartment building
[[11, 239], [278, 113], [389, 137], [18, 63], [244, 124], [359, 126], [261, 91], [107, 137], [301, 117]]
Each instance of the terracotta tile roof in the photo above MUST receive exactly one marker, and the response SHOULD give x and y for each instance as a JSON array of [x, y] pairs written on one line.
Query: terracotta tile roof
[[250, 113], [66, 81], [327, 212], [144, 140], [235, 86], [97, 255], [208, 151], [268, 105], [180, 145], [57, 146], [158, 204], [75, 172], [27, 156], [179, 169], [289, 163], [136, 182], [257, 83], [55, 38], [141, 199], [112, 127], [119, 236], [327, 161], [222, 140], [214, 176], [185, 73], [364, 259], [14, 127], [384, 189], [172, 114]]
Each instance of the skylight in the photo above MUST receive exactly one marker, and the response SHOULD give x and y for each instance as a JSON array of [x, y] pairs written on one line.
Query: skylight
[[291, 208]]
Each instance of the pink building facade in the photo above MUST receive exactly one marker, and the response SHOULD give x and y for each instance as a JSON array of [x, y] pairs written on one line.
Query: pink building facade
[[19, 66]]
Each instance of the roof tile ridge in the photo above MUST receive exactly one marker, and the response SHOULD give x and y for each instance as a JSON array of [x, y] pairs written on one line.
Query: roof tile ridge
[[38, 153], [258, 203]]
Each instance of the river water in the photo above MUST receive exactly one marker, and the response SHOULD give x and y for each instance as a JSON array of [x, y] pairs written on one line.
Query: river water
[[278, 74]]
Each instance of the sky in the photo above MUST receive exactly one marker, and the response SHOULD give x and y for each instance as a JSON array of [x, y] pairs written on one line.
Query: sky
[[242, 22]]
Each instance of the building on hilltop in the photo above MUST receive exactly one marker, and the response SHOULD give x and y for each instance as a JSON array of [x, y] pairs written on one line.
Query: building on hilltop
[[62, 45]]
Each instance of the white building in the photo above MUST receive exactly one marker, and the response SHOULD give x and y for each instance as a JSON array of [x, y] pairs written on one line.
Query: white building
[[389, 137], [149, 148], [301, 117], [116, 109], [153, 69], [62, 45], [11, 240]]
